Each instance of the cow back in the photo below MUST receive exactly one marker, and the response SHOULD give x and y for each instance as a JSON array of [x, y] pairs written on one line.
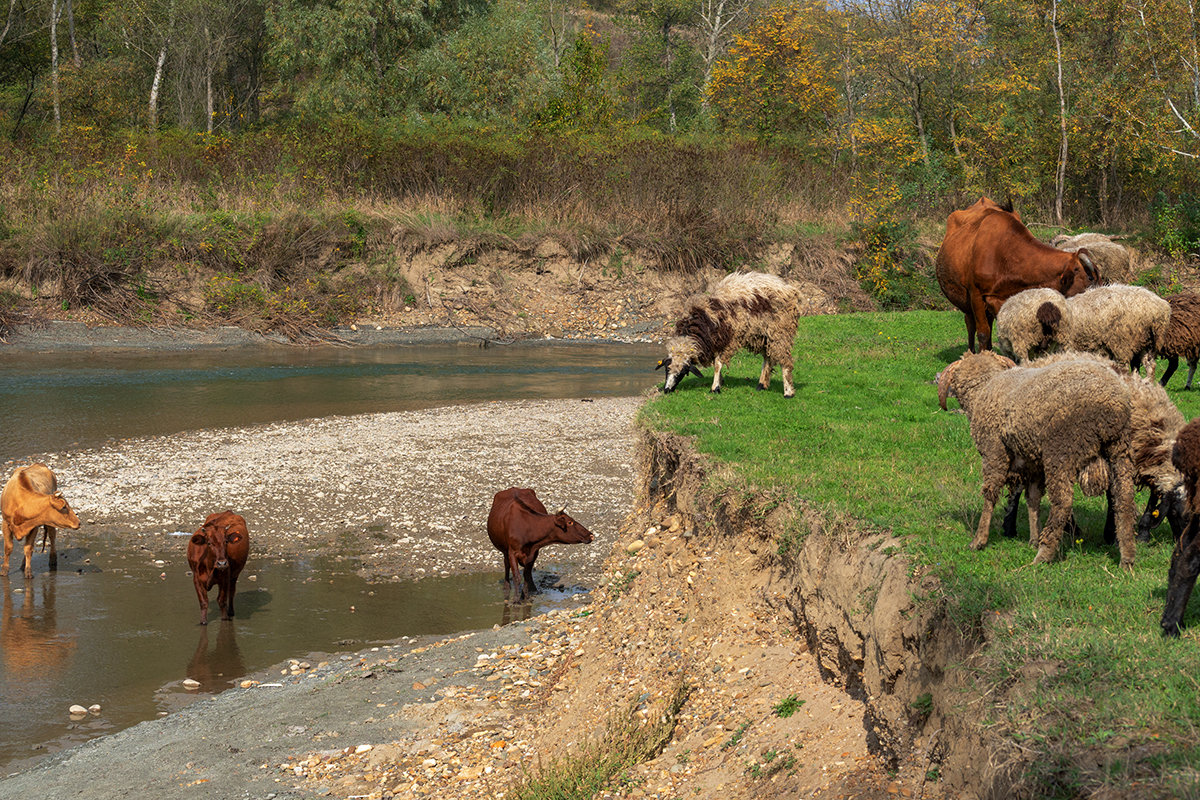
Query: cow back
[[506, 519]]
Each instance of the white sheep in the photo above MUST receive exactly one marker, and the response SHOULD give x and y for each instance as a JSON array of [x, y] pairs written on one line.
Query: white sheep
[[1032, 323], [1126, 323]]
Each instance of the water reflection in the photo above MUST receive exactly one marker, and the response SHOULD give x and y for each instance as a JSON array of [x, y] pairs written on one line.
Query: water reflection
[[214, 669], [31, 645]]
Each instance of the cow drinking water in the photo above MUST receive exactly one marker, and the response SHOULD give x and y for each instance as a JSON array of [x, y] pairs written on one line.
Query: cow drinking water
[[217, 553], [519, 526]]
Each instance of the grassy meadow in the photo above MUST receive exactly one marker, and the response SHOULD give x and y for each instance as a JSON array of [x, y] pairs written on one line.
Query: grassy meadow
[[864, 439]]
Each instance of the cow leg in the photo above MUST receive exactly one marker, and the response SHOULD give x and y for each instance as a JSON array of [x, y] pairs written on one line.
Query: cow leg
[[223, 598], [202, 595], [51, 531], [716, 385], [8, 546], [514, 567], [970, 320], [30, 540], [764, 378]]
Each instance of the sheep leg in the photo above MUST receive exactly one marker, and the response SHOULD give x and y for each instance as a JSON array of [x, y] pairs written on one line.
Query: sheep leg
[[1150, 363], [788, 389], [1191, 372], [1009, 527], [1123, 499], [1062, 500], [764, 379], [991, 493], [1033, 503], [1110, 521], [1172, 363], [1181, 579], [716, 384]]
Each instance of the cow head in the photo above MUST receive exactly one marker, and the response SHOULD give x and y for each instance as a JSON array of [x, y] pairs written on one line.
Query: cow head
[[1080, 274], [217, 538], [683, 356], [59, 513], [571, 532]]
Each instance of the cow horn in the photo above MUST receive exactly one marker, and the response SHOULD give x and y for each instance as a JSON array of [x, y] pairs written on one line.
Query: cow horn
[[562, 510], [1089, 268], [58, 494]]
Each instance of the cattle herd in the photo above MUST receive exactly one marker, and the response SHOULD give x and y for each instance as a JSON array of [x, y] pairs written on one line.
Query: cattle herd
[[1071, 409]]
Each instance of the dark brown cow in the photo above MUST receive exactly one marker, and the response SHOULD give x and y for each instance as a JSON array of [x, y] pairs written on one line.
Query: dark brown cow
[[988, 255], [519, 526], [31, 500], [217, 553]]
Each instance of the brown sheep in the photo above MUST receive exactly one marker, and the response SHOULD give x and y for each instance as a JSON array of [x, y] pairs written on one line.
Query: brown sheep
[[1056, 421], [1185, 560], [1182, 339], [750, 310]]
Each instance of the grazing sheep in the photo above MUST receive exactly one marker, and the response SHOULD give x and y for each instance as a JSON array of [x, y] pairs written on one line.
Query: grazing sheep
[[1183, 336], [1112, 259], [1185, 560], [750, 310], [1154, 424], [1033, 322], [1125, 323], [1050, 423]]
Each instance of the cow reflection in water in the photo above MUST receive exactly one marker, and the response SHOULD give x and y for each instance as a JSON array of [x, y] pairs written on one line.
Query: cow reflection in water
[[30, 643], [214, 669]]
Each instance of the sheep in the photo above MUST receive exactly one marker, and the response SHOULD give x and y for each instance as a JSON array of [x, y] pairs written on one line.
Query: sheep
[[1046, 424], [1185, 559], [750, 310], [1126, 323], [1033, 322], [1183, 336], [1112, 259], [1154, 424]]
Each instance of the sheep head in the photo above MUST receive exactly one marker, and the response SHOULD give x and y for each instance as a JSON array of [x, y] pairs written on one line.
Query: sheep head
[[967, 371], [683, 354]]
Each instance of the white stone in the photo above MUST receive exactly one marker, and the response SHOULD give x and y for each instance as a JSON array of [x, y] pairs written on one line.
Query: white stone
[[362, 748], [189, 683], [94, 708], [77, 710]]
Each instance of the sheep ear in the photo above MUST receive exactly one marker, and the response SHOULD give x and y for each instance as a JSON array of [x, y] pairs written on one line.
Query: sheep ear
[[692, 369], [664, 362]]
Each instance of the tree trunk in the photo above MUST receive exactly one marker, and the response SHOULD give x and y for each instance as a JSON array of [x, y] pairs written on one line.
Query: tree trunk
[[208, 72], [1060, 176], [54, 65], [154, 86], [920, 121], [75, 59], [12, 7]]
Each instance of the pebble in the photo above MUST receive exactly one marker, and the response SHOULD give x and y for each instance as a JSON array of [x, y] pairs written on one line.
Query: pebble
[[190, 683], [635, 547], [77, 710]]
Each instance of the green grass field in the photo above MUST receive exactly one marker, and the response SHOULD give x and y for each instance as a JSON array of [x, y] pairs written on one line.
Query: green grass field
[[864, 437]]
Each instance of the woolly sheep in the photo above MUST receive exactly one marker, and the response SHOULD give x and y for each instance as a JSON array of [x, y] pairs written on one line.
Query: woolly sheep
[[1033, 322], [1062, 417], [1183, 336], [1112, 259], [1185, 560], [750, 310], [1125, 323], [1154, 423]]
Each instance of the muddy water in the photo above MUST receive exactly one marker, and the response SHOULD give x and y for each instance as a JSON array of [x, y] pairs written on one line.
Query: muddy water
[[116, 628], [69, 400]]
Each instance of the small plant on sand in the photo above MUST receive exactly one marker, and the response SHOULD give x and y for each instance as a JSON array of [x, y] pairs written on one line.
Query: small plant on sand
[[787, 706]]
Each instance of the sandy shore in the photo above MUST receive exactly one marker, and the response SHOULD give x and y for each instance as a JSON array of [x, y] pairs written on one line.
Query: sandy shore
[[408, 492]]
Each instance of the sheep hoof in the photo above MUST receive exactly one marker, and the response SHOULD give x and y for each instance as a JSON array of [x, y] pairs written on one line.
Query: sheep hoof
[[717, 390], [787, 396], [976, 544], [760, 387], [1044, 555]]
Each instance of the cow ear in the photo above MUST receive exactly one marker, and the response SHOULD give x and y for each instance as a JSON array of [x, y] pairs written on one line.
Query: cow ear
[[58, 501], [199, 538]]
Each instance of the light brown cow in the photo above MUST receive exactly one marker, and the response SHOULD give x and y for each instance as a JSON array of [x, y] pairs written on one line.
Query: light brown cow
[[31, 500]]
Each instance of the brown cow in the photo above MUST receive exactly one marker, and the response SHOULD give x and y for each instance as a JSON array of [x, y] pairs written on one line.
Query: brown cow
[[519, 526], [30, 500], [216, 553], [988, 255]]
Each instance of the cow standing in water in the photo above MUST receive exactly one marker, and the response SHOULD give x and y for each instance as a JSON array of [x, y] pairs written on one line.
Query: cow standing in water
[[217, 553], [519, 526], [30, 500]]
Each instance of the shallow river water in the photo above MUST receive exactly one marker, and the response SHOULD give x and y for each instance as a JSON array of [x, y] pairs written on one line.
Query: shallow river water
[[117, 627]]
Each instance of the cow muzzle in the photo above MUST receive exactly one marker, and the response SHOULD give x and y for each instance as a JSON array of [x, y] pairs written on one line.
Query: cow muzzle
[[221, 564]]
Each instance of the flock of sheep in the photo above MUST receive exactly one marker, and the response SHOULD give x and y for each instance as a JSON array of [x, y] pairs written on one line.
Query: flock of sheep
[[1073, 409]]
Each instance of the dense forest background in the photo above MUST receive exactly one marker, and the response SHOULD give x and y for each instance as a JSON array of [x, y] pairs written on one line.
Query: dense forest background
[[246, 135]]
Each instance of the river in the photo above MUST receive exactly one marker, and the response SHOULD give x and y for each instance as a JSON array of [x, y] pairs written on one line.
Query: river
[[104, 629]]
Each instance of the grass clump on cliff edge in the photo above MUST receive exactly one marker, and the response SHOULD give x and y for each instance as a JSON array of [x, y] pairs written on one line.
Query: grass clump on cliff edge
[[1074, 653], [627, 742]]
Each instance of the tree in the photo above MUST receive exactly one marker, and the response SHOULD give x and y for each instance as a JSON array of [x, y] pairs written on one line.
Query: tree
[[775, 79]]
